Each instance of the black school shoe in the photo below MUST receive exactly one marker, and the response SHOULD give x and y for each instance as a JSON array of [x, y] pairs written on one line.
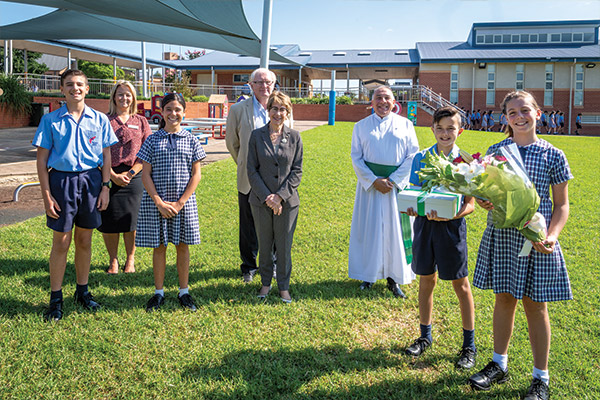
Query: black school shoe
[[467, 357], [366, 285], [86, 300], [537, 391], [418, 347], [54, 311], [491, 373], [187, 301], [155, 302], [396, 291]]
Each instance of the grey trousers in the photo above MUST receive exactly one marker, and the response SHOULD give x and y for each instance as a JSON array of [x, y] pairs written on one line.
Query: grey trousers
[[279, 230]]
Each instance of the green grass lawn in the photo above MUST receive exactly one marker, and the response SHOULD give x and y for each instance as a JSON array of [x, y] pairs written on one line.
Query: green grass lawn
[[333, 342]]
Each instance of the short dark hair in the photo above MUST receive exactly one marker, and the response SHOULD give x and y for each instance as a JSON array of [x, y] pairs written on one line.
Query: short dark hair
[[444, 112], [69, 72]]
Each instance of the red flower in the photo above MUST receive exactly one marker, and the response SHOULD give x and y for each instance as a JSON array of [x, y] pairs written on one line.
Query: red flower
[[500, 158], [477, 156], [458, 159]]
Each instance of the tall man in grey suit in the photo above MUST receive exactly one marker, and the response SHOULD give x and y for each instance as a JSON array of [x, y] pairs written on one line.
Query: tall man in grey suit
[[243, 118]]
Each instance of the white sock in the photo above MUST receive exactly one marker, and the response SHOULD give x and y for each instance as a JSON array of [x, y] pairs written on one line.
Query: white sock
[[501, 360], [160, 291], [541, 374], [183, 291]]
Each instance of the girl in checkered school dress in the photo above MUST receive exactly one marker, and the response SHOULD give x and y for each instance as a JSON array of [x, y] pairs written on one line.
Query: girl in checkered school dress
[[169, 213], [539, 277]]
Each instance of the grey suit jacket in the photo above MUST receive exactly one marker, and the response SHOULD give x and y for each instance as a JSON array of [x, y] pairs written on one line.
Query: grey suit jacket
[[240, 124], [271, 172]]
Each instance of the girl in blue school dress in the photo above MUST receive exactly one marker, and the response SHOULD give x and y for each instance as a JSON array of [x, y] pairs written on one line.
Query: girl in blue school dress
[[535, 279], [169, 213]]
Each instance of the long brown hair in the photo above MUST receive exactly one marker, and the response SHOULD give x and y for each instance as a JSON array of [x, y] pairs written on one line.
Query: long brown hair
[[516, 95]]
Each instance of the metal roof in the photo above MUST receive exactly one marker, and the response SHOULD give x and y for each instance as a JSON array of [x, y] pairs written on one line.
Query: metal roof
[[432, 52]]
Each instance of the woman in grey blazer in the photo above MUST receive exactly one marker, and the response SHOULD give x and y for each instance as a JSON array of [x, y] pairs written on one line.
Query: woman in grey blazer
[[274, 171]]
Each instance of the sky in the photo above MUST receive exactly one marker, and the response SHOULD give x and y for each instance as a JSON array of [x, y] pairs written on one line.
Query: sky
[[364, 24]]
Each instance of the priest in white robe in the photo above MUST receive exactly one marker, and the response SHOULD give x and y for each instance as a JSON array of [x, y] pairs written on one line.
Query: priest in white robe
[[383, 146]]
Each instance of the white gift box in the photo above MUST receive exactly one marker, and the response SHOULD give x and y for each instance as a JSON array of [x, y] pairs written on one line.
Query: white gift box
[[444, 202]]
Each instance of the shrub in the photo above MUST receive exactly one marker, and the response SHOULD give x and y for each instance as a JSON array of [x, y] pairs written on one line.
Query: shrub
[[15, 97], [200, 99]]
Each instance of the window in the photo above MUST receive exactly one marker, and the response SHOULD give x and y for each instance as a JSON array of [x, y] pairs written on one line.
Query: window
[[490, 97], [543, 37], [578, 96], [515, 38], [566, 37], [505, 38], [480, 39], [555, 37], [524, 38], [339, 53], [548, 89], [588, 37], [520, 77], [533, 38], [401, 53], [364, 53], [454, 83], [578, 37], [241, 78], [488, 39], [497, 38]]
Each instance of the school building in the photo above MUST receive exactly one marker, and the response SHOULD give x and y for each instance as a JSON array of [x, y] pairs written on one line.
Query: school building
[[557, 61]]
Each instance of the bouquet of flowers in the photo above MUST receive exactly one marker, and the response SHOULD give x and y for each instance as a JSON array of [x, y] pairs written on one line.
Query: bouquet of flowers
[[499, 178]]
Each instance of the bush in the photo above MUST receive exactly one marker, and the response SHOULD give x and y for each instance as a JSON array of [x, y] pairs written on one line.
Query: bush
[[200, 99], [321, 100], [15, 97]]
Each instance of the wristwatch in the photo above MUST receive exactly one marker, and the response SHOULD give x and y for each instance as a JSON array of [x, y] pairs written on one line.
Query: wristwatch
[[131, 172], [107, 184]]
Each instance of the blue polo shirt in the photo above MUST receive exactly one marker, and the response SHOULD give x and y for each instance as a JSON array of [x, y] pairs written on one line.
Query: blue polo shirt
[[74, 146], [417, 165]]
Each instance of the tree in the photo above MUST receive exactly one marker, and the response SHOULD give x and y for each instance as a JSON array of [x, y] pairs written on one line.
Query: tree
[[99, 71], [33, 66]]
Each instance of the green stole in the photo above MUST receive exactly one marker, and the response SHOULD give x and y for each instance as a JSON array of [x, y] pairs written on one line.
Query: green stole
[[384, 171]]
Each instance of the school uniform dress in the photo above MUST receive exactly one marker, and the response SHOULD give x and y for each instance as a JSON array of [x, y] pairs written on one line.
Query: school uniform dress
[[123, 208], [541, 277], [171, 156]]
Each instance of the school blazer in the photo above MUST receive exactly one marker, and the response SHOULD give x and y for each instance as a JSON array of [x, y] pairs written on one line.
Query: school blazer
[[270, 172], [239, 127]]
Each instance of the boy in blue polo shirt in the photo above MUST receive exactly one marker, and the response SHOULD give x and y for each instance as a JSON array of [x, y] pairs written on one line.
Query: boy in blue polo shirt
[[73, 165], [440, 245]]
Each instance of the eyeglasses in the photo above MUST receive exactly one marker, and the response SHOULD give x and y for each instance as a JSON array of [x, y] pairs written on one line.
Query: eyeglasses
[[265, 83], [282, 110]]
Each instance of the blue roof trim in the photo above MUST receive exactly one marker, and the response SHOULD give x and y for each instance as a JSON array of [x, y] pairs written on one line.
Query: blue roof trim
[[536, 23]]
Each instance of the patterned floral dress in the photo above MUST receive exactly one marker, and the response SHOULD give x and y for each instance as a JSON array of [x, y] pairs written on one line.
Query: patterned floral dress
[[171, 156], [541, 277]]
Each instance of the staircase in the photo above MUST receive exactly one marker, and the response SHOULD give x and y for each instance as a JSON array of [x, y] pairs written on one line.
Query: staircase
[[426, 99]]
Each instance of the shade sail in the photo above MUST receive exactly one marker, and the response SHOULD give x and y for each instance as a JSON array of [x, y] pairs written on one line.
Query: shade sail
[[186, 30], [225, 17]]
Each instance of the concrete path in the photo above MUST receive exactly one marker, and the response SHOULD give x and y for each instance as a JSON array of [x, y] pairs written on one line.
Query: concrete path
[[18, 165]]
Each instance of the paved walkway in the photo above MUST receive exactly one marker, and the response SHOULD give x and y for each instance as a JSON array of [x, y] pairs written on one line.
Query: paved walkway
[[18, 165]]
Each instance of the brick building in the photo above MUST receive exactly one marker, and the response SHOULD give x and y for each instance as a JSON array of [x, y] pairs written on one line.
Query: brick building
[[558, 61]]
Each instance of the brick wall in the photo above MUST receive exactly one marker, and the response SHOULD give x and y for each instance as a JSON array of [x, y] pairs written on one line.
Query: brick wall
[[343, 112], [9, 120], [438, 81]]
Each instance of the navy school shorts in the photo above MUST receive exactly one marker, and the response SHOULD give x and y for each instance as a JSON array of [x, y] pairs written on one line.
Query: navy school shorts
[[77, 196], [440, 246]]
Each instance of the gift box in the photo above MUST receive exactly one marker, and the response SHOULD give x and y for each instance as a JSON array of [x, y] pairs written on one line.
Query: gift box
[[444, 202]]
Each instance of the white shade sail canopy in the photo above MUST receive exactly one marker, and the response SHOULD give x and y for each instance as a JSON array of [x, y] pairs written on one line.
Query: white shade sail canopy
[[217, 25]]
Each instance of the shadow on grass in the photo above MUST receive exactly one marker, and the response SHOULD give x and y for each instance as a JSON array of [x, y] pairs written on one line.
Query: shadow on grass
[[289, 374]]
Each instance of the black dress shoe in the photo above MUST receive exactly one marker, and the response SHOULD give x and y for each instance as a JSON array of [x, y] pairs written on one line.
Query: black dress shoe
[[396, 291], [466, 358], [537, 391], [418, 347], [155, 302], [86, 300], [187, 301], [366, 285], [491, 373], [54, 311]]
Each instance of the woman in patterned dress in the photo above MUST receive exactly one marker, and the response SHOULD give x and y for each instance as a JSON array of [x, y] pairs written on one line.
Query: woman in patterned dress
[[126, 175], [537, 278], [169, 213]]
